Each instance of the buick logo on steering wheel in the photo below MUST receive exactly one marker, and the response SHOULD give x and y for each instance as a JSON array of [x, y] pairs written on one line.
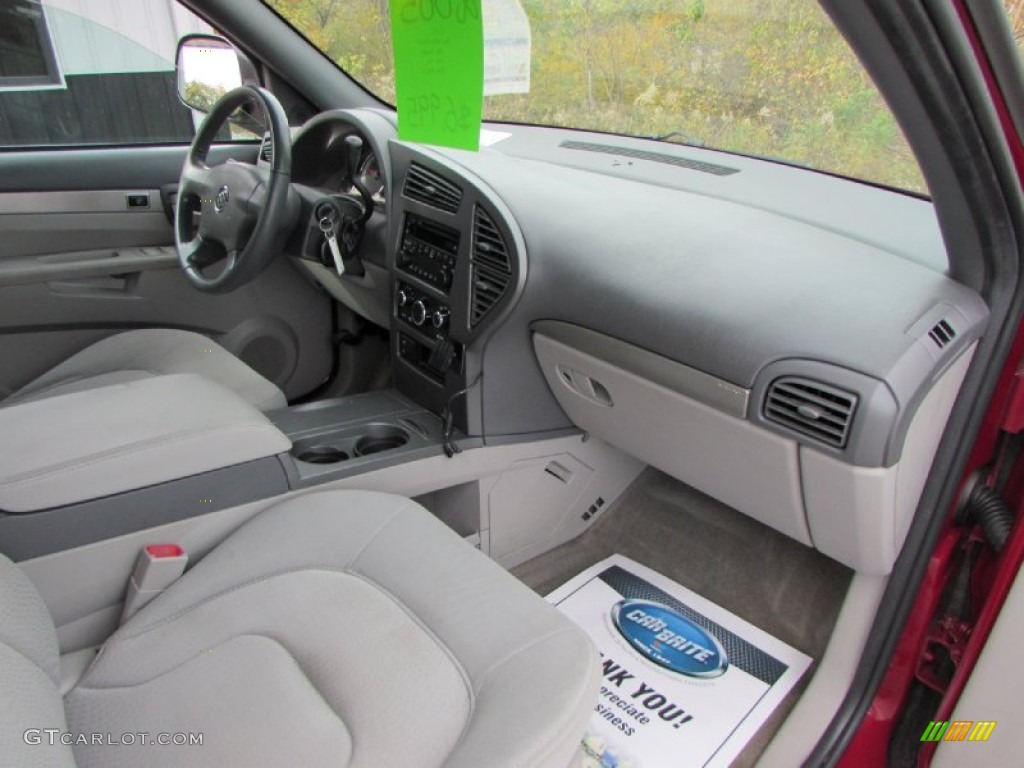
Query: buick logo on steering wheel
[[221, 200]]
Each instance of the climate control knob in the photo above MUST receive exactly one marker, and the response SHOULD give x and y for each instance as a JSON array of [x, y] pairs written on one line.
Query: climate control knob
[[419, 312], [403, 297], [440, 317]]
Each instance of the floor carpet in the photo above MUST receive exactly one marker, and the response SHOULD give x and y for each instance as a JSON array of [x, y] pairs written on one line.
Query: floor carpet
[[788, 590]]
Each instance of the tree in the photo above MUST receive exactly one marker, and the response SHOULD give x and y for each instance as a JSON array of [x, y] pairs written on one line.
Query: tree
[[202, 96]]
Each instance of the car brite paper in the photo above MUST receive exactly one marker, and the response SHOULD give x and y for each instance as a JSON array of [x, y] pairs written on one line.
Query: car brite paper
[[684, 682]]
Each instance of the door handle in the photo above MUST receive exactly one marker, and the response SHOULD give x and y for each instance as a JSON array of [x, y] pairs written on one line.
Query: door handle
[[586, 386], [169, 199]]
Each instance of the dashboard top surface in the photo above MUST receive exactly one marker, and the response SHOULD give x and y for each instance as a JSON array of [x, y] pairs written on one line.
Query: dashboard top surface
[[724, 263], [772, 263]]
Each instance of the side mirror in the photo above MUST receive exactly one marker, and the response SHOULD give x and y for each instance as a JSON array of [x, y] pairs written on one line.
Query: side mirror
[[208, 67]]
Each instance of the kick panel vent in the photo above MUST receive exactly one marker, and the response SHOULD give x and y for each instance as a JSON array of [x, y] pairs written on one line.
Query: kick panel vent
[[811, 408], [488, 245], [267, 149], [656, 157], [431, 188], [942, 333]]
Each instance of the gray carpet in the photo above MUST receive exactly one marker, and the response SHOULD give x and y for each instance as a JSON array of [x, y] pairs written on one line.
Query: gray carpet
[[775, 583]]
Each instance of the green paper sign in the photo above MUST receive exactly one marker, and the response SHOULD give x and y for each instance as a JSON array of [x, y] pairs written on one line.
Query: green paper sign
[[439, 71]]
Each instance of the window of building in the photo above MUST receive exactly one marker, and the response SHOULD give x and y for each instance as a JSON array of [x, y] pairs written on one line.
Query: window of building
[[27, 58], [92, 73]]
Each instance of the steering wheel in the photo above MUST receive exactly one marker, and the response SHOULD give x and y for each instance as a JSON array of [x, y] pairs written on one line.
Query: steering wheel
[[246, 211]]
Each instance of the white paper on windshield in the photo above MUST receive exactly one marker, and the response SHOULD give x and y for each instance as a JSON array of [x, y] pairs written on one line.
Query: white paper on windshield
[[685, 682], [490, 138], [507, 47]]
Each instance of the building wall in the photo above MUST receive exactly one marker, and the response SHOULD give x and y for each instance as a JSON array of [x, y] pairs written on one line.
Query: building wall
[[103, 36], [116, 59]]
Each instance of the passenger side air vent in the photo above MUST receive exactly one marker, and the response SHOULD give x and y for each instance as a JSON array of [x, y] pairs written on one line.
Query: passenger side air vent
[[491, 270], [942, 333], [267, 149], [431, 188], [811, 408]]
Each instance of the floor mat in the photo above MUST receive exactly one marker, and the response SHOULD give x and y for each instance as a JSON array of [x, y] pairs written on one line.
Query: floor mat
[[686, 683], [787, 589]]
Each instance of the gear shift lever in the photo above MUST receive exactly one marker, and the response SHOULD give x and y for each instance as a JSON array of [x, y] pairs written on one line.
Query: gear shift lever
[[353, 152]]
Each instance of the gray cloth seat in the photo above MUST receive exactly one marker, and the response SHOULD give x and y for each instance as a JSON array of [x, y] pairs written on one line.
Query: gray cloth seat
[[147, 352], [343, 628]]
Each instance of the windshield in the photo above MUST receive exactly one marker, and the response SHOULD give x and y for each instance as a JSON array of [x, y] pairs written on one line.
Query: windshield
[[769, 78]]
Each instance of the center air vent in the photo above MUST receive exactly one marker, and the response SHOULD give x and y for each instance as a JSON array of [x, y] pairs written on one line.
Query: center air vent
[[267, 149], [491, 270], [431, 188], [811, 408], [488, 244]]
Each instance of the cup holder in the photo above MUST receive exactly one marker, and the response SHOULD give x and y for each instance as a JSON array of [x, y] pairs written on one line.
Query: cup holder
[[318, 454], [380, 437], [336, 447]]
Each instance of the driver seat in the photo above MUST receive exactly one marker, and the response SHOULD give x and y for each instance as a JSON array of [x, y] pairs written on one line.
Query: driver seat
[[140, 354]]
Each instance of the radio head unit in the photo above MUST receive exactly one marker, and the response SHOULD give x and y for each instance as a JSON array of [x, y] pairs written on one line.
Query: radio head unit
[[428, 250]]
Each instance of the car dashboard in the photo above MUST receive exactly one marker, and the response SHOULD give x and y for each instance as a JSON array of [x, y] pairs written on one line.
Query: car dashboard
[[784, 341]]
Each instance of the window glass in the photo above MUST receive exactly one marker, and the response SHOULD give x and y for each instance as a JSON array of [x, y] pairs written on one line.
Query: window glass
[[26, 52], [1015, 15], [771, 78], [92, 73]]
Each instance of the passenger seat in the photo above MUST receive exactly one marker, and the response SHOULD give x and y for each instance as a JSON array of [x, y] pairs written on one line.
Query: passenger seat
[[344, 628]]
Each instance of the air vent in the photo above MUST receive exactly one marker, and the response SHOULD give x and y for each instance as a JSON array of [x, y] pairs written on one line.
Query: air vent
[[492, 270], [811, 408], [488, 287], [488, 245], [655, 157], [267, 149], [942, 333], [431, 188]]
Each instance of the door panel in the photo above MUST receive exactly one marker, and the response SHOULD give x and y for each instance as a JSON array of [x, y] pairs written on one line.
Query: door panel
[[117, 265], [47, 229], [104, 168], [86, 250]]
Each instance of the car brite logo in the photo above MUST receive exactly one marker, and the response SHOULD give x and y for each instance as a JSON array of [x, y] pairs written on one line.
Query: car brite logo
[[669, 639]]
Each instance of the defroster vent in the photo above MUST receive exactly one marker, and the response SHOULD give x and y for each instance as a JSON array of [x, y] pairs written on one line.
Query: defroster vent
[[654, 157], [431, 188], [811, 408], [491, 267]]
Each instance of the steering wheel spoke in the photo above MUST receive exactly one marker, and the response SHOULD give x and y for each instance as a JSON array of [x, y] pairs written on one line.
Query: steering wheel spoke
[[199, 252], [196, 181]]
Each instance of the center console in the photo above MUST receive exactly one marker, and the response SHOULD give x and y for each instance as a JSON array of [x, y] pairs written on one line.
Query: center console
[[338, 438], [456, 270], [426, 262]]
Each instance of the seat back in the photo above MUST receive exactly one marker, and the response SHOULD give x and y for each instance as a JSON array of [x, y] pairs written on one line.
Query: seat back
[[30, 702]]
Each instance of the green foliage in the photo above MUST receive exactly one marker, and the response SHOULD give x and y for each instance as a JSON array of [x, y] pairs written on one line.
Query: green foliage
[[202, 96], [762, 77]]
